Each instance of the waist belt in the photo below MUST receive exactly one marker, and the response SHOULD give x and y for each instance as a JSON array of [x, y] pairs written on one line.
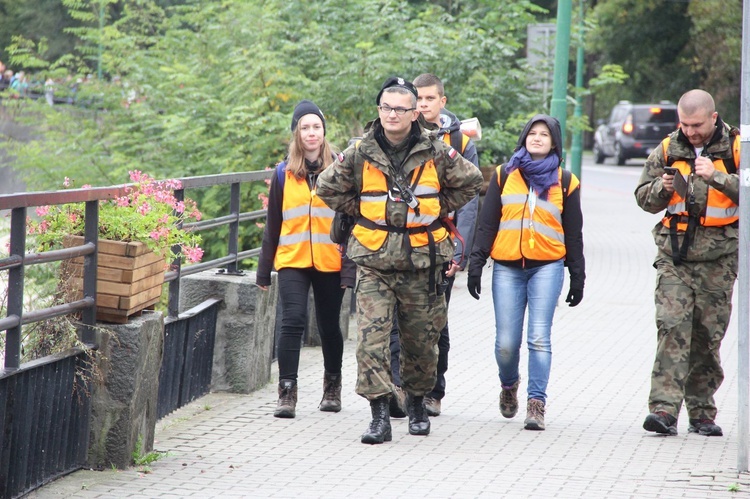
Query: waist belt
[[406, 231]]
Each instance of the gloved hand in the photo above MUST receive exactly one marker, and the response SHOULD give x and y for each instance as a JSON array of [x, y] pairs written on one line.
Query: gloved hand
[[575, 296], [475, 285]]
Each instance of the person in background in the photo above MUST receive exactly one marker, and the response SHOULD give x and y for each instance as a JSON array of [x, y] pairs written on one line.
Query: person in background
[[696, 262], [431, 101], [399, 181], [296, 243], [531, 225]]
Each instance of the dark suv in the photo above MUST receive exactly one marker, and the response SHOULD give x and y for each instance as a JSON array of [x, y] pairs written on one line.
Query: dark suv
[[633, 130]]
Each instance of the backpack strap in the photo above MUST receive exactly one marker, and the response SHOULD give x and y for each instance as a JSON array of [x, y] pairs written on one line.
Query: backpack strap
[[281, 174], [458, 141]]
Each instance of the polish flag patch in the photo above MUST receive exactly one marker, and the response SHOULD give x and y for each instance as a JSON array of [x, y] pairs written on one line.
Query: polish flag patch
[[341, 157], [452, 153]]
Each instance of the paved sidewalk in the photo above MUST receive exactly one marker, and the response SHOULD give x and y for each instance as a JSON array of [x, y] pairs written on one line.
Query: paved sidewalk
[[226, 445]]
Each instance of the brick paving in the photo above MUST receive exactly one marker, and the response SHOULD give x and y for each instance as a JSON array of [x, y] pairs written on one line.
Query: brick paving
[[229, 445]]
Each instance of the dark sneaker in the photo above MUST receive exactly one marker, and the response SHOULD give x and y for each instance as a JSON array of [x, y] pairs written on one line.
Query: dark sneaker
[[661, 422], [705, 427], [397, 404], [534, 415], [509, 400], [432, 406]]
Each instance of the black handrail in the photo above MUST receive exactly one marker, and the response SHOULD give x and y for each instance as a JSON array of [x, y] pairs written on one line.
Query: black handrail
[[18, 259]]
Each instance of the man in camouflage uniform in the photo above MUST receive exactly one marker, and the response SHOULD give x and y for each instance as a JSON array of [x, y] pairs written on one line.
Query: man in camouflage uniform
[[696, 262], [398, 181]]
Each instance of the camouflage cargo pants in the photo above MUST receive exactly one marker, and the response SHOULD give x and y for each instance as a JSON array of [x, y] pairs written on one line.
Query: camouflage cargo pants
[[693, 307], [420, 323]]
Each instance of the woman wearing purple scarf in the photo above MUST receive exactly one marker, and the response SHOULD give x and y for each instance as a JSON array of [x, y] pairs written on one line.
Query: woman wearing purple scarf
[[531, 225]]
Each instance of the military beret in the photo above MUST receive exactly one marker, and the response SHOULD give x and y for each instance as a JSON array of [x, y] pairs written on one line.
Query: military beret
[[395, 81]]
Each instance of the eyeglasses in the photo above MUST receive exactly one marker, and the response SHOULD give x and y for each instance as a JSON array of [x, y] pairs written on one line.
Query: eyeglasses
[[400, 111]]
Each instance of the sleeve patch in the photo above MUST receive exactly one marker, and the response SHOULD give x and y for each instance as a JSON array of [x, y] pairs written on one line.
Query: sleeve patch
[[341, 157], [452, 153]]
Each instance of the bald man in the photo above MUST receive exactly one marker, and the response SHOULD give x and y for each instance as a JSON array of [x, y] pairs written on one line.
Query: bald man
[[692, 179]]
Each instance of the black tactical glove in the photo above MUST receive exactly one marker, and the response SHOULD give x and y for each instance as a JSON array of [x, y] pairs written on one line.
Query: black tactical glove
[[575, 295], [475, 285]]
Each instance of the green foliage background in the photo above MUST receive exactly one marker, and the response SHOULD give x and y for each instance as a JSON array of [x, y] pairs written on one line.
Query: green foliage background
[[195, 87]]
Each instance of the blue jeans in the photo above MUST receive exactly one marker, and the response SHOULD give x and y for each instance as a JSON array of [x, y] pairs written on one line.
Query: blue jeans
[[513, 289]]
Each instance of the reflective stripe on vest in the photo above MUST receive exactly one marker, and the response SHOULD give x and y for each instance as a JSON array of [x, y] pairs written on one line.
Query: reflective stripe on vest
[[720, 209], [517, 237], [373, 201], [304, 240]]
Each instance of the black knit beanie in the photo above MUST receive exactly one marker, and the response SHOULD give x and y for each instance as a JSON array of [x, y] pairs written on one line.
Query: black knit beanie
[[307, 107]]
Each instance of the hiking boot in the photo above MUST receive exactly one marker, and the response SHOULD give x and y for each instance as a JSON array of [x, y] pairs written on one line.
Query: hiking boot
[[705, 427], [379, 430], [419, 423], [509, 400], [661, 422], [285, 408], [331, 393], [534, 415], [432, 406], [397, 405]]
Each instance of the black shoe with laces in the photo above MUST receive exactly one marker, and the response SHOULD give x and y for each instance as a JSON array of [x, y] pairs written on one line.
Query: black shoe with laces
[[661, 422], [705, 427]]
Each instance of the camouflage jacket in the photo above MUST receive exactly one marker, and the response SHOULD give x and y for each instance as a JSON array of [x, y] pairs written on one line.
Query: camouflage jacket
[[340, 185], [709, 243]]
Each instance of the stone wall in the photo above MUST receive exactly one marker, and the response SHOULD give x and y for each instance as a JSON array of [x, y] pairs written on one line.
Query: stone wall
[[124, 398]]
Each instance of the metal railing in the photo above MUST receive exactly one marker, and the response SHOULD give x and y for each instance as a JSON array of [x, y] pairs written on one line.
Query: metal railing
[[18, 259]]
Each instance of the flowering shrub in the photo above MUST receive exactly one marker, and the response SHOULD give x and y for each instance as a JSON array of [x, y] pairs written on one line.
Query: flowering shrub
[[147, 213]]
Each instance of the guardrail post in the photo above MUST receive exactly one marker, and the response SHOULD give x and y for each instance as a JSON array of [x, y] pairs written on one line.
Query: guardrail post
[[90, 262], [234, 229], [15, 288]]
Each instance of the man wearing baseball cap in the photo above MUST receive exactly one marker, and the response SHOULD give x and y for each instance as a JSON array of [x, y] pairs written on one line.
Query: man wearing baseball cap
[[399, 182]]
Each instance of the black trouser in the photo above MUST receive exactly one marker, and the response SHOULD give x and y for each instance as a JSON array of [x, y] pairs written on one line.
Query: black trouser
[[294, 286], [444, 345]]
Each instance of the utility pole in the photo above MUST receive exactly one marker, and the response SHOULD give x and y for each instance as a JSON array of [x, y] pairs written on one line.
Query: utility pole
[[558, 106], [576, 144], [743, 354], [101, 40]]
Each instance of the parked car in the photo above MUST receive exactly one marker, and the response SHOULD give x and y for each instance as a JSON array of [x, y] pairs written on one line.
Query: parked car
[[633, 130]]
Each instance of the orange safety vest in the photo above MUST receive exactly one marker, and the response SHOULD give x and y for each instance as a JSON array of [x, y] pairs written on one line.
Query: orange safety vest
[[304, 240], [374, 198], [523, 234], [720, 210]]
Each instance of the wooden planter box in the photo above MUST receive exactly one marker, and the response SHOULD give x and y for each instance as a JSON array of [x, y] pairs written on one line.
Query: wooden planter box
[[129, 278]]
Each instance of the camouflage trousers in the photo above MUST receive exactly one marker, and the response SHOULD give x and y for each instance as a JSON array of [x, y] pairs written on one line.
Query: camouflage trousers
[[421, 316], [693, 307]]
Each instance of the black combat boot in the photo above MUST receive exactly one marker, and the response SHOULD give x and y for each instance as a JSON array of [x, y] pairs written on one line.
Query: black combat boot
[[380, 426], [331, 393], [419, 423], [287, 404]]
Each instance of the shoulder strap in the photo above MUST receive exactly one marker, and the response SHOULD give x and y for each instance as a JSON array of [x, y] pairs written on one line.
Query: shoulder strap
[[732, 165], [668, 160], [281, 174], [457, 141], [566, 176]]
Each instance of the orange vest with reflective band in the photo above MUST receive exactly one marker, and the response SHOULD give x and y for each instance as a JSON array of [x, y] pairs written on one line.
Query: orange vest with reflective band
[[720, 210], [522, 234], [464, 140], [374, 197], [304, 241]]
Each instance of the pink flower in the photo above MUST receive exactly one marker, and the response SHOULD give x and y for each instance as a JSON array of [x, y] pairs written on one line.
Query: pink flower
[[66, 182], [123, 201], [144, 209], [192, 255], [86, 186], [42, 211], [135, 175], [264, 199], [180, 207]]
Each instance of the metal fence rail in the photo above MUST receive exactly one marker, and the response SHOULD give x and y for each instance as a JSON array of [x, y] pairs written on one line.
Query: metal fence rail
[[187, 357], [45, 404], [44, 421]]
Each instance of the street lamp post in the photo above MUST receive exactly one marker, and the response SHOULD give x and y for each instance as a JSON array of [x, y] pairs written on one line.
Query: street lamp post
[[558, 105]]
